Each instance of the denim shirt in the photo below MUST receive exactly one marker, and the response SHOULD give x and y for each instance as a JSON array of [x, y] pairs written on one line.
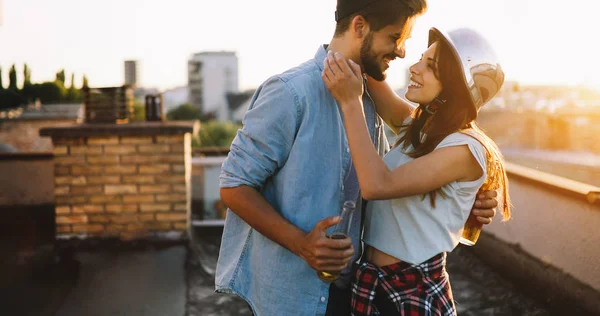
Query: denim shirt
[[293, 149]]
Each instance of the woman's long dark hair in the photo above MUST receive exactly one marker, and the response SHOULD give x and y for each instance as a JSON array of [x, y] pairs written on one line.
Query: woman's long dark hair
[[455, 115]]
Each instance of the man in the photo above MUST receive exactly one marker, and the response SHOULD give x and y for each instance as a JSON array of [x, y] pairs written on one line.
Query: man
[[289, 171]]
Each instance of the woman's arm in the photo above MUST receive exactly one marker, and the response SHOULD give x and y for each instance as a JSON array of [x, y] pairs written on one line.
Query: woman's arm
[[376, 180], [390, 106], [421, 175]]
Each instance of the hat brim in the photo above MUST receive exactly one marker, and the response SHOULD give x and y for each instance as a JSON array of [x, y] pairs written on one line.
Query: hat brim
[[438, 35]]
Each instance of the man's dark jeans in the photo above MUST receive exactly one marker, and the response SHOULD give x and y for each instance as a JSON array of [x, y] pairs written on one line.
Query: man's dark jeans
[[339, 301]]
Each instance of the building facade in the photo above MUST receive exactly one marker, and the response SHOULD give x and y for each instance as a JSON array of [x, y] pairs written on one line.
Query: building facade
[[131, 72], [211, 76]]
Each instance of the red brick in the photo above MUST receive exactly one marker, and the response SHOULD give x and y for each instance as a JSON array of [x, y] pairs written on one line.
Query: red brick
[[180, 226], [86, 170], [182, 207], [121, 169], [178, 168], [180, 188], [60, 150], [104, 179], [112, 189], [62, 171], [156, 188], [63, 209], [62, 190], [99, 199], [104, 159], [120, 149], [90, 208], [123, 218], [171, 217], [77, 180], [153, 149], [154, 169], [69, 160], [169, 139], [70, 199], [155, 207], [90, 150], [148, 198], [72, 219], [61, 229], [178, 179], [110, 140], [89, 189], [139, 179], [93, 228], [171, 198], [102, 219], [146, 217], [119, 208], [136, 139]]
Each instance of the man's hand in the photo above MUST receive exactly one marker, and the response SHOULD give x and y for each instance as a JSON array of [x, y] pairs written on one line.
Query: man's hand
[[485, 206], [322, 253]]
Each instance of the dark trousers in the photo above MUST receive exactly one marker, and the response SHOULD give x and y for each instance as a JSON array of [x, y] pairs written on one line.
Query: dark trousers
[[339, 301]]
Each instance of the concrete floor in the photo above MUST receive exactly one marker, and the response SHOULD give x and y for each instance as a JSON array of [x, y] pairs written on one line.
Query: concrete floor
[[477, 289], [149, 282]]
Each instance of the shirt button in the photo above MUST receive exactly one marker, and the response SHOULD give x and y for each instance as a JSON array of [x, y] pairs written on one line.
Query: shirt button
[[323, 299], [347, 150]]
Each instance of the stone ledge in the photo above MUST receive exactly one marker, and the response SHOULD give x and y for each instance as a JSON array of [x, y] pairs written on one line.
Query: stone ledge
[[130, 129], [559, 291]]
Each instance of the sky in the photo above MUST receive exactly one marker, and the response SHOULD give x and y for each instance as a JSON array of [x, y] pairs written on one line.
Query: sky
[[537, 41]]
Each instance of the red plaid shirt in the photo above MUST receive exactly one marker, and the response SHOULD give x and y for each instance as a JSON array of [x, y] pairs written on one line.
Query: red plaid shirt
[[415, 290]]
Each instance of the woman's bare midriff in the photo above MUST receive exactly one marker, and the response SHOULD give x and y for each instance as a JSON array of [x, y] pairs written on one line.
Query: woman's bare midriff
[[379, 258]]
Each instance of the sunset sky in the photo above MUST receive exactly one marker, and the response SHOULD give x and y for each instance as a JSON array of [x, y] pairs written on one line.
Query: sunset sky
[[539, 42]]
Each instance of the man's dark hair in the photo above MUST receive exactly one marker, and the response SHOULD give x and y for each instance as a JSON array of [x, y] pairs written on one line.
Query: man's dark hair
[[382, 13]]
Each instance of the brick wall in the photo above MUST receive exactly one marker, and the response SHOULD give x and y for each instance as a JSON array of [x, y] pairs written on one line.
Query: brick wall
[[125, 186]]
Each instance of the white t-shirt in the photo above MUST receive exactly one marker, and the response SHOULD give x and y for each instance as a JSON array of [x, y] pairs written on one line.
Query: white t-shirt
[[409, 228]]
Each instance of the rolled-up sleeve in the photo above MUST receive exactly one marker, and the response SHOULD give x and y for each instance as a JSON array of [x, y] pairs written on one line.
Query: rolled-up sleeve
[[264, 142]]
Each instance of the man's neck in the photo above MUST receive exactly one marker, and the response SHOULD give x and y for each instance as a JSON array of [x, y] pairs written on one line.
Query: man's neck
[[342, 46]]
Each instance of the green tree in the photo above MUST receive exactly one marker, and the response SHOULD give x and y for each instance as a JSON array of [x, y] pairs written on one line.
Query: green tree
[[72, 81], [216, 134], [12, 78], [85, 82], [184, 112], [27, 90], [139, 112], [60, 77], [73, 94], [49, 92], [26, 75]]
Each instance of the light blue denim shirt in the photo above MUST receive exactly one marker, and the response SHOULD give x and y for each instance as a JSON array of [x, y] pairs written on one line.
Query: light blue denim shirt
[[293, 149]]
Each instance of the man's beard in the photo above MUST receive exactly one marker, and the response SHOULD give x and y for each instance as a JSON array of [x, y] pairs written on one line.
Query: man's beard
[[369, 59]]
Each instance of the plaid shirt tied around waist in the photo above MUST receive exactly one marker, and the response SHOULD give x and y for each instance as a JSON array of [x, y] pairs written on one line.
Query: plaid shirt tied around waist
[[415, 290]]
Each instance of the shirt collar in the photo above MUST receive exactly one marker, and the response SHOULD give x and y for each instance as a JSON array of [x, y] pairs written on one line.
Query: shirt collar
[[320, 56]]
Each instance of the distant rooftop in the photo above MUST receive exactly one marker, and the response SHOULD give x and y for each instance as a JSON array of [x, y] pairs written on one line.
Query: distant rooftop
[[216, 53], [44, 112], [6, 148]]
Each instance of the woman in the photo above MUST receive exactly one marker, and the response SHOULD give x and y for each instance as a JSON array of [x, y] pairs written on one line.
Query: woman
[[422, 191]]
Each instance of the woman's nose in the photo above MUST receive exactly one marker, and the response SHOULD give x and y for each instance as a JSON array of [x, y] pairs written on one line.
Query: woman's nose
[[413, 69]]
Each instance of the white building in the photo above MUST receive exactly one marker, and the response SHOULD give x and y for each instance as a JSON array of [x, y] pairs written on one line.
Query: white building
[[211, 75], [175, 97], [131, 72]]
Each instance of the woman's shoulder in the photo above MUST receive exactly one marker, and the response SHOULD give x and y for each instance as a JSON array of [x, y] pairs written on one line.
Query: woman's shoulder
[[472, 140], [464, 137]]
